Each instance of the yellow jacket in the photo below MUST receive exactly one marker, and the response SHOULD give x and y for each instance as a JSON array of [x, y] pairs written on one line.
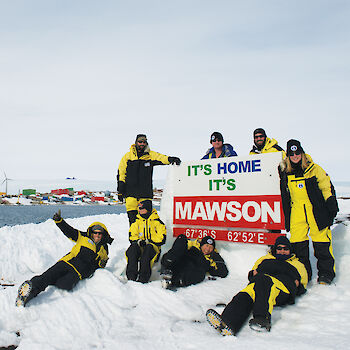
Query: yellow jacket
[[135, 173], [151, 229], [86, 256], [269, 147]]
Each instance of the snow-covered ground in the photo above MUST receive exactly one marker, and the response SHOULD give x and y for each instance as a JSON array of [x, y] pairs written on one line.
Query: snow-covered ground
[[104, 313]]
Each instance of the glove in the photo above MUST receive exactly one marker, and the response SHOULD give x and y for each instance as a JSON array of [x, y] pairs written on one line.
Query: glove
[[57, 216], [120, 197], [332, 206], [141, 243], [103, 263], [174, 160]]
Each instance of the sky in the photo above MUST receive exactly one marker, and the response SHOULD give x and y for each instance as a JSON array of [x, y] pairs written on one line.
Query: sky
[[80, 79]]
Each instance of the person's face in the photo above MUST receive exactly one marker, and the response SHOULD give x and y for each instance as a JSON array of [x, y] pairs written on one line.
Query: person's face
[[217, 144], [141, 144], [97, 236], [142, 211], [259, 139], [207, 248], [295, 157], [282, 249]]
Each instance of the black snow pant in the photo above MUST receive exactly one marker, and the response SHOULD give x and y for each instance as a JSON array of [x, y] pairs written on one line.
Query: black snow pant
[[140, 261], [61, 275], [184, 267], [258, 297], [325, 260]]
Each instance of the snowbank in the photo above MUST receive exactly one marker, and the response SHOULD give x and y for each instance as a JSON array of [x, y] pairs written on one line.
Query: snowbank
[[104, 313]]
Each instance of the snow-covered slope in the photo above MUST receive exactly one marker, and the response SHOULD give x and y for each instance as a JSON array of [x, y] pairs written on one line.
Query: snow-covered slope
[[104, 313]]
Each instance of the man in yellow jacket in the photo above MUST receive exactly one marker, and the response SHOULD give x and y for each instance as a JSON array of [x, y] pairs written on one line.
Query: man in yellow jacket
[[89, 253], [135, 173], [263, 144], [275, 279], [147, 234]]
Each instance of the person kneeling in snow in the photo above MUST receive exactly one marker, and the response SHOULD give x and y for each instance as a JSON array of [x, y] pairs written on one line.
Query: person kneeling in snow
[[276, 279], [88, 254], [188, 262], [147, 234]]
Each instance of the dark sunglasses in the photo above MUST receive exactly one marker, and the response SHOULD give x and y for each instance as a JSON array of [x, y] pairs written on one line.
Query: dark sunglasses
[[141, 141], [291, 153], [97, 233], [282, 248], [216, 140]]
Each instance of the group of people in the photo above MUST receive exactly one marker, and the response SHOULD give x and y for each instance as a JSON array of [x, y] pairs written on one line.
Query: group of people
[[309, 205]]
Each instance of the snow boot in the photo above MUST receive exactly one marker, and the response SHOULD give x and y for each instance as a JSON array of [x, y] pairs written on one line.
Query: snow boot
[[324, 280], [166, 276], [260, 324], [215, 320], [24, 292]]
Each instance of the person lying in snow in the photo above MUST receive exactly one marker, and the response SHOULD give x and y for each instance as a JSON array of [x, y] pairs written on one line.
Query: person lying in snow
[[89, 253], [276, 279], [188, 262]]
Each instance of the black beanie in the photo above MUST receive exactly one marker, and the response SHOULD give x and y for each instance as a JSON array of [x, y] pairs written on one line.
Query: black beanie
[[146, 204], [216, 135], [282, 240], [259, 131], [208, 240], [294, 146], [141, 136]]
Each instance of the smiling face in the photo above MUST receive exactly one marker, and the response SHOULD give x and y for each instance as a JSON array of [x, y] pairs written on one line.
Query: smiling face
[[295, 157], [97, 236], [207, 248], [259, 140], [217, 144]]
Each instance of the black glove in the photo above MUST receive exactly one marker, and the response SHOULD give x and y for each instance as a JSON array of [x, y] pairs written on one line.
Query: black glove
[[57, 216], [332, 206], [120, 197], [174, 160]]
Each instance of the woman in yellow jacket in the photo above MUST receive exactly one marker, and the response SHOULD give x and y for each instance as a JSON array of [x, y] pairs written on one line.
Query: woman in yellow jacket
[[310, 206], [147, 234], [89, 253]]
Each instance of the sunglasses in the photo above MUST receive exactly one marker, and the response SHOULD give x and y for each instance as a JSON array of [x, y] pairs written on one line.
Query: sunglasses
[[96, 233], [282, 248], [296, 153], [216, 140]]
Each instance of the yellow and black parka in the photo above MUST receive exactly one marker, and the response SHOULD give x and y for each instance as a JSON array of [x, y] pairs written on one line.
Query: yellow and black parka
[[286, 271], [270, 146], [86, 256], [135, 173], [151, 229], [319, 189]]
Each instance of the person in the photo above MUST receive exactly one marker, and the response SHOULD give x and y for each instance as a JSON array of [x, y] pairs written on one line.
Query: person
[[188, 262], [310, 206], [219, 149], [147, 234], [263, 144], [89, 253], [135, 174], [275, 279]]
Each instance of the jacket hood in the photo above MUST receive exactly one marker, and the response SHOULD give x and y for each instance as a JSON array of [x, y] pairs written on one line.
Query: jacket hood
[[106, 238]]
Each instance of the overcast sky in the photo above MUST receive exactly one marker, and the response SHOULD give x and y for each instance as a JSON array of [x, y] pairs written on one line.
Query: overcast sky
[[79, 80]]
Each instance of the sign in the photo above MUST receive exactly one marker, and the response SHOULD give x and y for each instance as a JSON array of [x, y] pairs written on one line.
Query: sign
[[234, 199]]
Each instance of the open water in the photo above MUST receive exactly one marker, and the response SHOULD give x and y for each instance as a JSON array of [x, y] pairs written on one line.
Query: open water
[[11, 215]]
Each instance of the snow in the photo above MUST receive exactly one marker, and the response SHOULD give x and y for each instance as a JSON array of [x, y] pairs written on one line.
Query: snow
[[104, 313]]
